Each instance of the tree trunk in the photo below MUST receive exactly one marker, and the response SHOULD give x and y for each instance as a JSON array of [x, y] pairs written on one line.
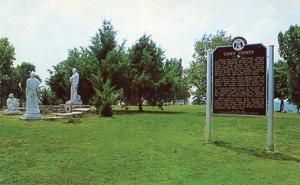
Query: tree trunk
[[281, 105], [140, 105]]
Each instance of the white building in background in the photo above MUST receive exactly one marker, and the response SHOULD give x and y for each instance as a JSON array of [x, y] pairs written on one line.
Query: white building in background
[[288, 107]]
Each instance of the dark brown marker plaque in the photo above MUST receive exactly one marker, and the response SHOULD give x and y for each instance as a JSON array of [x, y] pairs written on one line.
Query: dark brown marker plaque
[[239, 80]]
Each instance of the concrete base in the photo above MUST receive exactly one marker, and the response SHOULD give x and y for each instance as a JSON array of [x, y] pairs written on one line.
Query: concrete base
[[22, 109], [29, 119], [49, 118], [12, 113], [68, 107], [31, 116], [71, 102], [46, 118], [83, 110], [69, 115]]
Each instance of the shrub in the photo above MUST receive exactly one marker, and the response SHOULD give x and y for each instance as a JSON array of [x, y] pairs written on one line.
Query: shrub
[[105, 99]]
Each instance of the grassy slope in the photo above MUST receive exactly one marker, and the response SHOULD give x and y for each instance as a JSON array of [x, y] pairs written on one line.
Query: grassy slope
[[149, 148]]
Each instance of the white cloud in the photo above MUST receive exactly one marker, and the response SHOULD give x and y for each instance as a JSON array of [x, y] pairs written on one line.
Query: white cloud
[[43, 31]]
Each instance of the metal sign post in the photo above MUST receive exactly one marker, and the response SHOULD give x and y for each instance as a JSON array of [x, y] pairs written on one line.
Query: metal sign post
[[270, 146], [237, 83], [208, 96]]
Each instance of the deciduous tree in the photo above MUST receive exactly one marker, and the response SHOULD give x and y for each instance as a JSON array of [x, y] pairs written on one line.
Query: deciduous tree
[[289, 49], [22, 73], [7, 56], [146, 70], [280, 82], [197, 70]]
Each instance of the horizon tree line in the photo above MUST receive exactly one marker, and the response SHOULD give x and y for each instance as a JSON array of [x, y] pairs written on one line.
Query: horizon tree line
[[141, 74]]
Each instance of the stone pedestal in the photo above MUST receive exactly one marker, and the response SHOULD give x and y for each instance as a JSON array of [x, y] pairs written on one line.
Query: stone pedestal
[[74, 102], [68, 107], [31, 116], [7, 112]]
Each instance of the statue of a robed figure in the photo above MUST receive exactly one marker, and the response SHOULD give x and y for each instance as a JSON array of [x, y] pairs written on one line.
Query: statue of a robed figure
[[32, 105], [74, 96]]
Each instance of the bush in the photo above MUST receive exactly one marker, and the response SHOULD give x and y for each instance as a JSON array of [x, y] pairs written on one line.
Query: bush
[[47, 97], [104, 99]]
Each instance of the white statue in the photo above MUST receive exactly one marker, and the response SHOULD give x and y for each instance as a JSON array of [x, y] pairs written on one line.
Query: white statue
[[32, 106], [12, 104], [74, 97]]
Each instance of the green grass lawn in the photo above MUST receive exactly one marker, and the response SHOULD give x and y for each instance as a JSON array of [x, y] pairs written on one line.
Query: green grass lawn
[[153, 147]]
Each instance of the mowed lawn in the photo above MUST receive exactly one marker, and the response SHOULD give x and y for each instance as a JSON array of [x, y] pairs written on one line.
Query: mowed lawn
[[153, 147]]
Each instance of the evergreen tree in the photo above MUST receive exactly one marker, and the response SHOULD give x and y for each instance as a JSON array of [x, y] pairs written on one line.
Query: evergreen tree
[[176, 79], [146, 71]]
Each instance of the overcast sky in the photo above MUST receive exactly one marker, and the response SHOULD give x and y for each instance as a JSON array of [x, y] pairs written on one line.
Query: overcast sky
[[42, 31]]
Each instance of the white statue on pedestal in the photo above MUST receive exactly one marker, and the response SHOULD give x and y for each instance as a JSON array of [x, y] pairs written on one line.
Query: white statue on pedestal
[[32, 106], [12, 104], [74, 97]]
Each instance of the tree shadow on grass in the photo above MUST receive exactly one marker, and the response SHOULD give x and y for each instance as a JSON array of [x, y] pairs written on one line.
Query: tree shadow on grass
[[257, 152], [134, 112]]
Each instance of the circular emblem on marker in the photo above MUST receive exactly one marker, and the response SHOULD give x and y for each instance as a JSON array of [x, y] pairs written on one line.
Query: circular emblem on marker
[[238, 43]]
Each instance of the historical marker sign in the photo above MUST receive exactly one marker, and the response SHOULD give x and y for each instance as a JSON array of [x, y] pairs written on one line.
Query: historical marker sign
[[239, 79]]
